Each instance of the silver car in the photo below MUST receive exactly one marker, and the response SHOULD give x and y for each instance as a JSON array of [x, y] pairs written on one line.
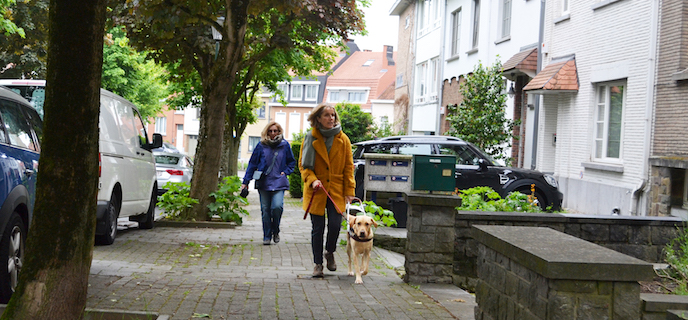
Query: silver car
[[172, 167]]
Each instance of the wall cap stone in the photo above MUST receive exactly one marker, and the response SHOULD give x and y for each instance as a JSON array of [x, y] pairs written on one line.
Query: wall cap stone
[[556, 255], [435, 200], [569, 217], [656, 302]]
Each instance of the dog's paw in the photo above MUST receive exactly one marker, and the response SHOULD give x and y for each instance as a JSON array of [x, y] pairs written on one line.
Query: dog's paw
[[351, 273], [359, 280]]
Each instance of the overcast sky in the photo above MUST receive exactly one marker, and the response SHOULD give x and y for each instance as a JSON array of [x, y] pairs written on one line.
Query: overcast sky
[[382, 28]]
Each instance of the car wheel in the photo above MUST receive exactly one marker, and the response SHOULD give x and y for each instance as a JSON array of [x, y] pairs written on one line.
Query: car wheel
[[148, 219], [111, 215], [12, 253]]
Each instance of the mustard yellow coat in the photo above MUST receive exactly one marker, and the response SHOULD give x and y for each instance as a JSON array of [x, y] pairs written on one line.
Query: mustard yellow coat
[[335, 171]]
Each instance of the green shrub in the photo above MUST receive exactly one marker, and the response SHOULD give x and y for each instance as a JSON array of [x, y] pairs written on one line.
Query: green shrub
[[295, 183], [227, 201], [176, 201], [676, 256], [383, 216], [486, 199]]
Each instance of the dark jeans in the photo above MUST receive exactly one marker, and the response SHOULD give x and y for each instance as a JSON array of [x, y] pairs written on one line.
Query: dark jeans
[[271, 207], [334, 224]]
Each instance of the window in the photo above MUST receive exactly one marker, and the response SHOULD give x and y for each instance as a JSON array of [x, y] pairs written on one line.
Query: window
[[356, 96], [476, 23], [564, 7], [608, 120], [400, 80], [463, 154], [408, 22], [429, 13], [18, 130], [311, 92], [161, 125], [297, 92], [260, 112], [421, 71], [334, 97], [456, 32], [284, 88], [368, 63], [252, 143], [434, 76], [506, 18]]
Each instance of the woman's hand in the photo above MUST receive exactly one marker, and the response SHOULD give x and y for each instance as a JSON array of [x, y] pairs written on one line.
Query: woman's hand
[[316, 184], [243, 186], [348, 199]]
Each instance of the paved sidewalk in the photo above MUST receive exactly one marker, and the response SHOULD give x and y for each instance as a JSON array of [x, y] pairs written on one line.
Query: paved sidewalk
[[191, 273]]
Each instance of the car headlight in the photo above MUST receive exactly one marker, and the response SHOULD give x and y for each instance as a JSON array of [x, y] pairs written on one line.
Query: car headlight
[[551, 181]]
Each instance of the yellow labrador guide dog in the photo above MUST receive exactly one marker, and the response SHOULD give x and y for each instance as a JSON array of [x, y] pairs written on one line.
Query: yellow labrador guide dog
[[359, 240]]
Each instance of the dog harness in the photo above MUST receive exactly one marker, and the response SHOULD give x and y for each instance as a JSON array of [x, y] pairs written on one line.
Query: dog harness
[[356, 238]]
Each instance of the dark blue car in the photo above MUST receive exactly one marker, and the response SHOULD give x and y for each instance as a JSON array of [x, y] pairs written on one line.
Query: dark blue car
[[20, 133]]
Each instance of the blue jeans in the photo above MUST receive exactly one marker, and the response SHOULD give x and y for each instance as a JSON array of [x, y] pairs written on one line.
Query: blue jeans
[[334, 224], [271, 207]]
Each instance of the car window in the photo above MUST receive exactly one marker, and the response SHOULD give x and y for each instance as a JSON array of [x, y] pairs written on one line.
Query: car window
[[464, 155], [18, 130], [415, 148], [35, 122], [163, 159]]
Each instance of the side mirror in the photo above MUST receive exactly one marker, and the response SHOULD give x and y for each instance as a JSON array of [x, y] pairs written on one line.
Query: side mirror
[[157, 142], [482, 164]]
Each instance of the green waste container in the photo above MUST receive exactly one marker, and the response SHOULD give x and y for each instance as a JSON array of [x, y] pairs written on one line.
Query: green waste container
[[434, 173]]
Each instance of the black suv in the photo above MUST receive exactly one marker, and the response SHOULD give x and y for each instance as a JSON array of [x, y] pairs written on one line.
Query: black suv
[[473, 167]]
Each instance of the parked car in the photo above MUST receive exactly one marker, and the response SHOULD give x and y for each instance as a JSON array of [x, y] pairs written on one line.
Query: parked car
[[473, 167], [172, 167], [167, 147], [21, 130], [127, 187]]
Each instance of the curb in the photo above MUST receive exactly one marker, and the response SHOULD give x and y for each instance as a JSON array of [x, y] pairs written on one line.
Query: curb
[[195, 224], [101, 314]]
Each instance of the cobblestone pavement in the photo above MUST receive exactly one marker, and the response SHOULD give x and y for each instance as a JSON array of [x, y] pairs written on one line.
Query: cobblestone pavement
[[192, 273]]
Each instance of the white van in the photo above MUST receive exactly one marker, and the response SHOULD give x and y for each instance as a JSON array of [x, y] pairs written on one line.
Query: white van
[[127, 186]]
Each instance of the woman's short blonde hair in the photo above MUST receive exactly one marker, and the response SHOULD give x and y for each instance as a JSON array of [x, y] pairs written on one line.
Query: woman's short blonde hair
[[317, 111], [264, 134]]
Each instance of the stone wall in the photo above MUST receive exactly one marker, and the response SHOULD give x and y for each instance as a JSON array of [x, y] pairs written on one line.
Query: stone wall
[[430, 238], [552, 275], [640, 237]]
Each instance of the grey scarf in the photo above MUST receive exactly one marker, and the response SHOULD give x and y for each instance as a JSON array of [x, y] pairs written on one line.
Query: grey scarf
[[274, 142], [308, 156]]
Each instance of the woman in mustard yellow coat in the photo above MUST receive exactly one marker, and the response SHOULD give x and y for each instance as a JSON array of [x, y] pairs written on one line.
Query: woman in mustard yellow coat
[[326, 162]]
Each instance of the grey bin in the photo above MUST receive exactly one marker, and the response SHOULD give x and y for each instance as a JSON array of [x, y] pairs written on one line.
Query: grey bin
[[400, 208]]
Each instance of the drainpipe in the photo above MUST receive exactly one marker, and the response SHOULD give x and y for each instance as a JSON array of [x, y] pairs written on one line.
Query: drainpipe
[[536, 113], [438, 127], [649, 109]]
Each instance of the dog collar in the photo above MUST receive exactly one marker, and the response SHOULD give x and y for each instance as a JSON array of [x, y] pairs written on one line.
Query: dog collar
[[356, 238]]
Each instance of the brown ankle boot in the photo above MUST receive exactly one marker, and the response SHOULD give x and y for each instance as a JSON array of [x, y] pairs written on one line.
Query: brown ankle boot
[[331, 265], [318, 271]]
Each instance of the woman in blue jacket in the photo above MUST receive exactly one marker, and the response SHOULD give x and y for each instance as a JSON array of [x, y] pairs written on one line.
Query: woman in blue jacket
[[271, 162]]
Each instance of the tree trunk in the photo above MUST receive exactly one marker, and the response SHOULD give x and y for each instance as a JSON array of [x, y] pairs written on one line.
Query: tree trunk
[[230, 143], [208, 152], [54, 280]]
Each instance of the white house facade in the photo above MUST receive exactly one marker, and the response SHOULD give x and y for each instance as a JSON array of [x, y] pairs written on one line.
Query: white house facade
[[595, 138]]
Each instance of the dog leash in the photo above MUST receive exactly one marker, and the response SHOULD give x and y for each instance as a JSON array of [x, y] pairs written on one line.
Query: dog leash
[[311, 202]]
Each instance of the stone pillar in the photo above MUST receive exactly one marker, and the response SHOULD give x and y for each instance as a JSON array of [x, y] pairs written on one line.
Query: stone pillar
[[430, 237], [541, 273]]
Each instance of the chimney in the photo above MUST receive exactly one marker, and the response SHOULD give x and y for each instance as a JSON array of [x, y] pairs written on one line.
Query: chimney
[[388, 55]]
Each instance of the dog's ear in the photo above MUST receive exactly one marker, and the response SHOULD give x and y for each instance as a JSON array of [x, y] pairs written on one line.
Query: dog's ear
[[374, 222], [352, 221]]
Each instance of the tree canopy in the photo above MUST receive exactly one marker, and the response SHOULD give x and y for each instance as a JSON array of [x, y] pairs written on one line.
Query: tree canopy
[[481, 118], [133, 75], [25, 56], [180, 33], [358, 125]]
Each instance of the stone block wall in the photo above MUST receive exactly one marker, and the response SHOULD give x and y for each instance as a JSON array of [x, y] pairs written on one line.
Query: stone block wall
[[430, 237], [640, 237], [564, 278]]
